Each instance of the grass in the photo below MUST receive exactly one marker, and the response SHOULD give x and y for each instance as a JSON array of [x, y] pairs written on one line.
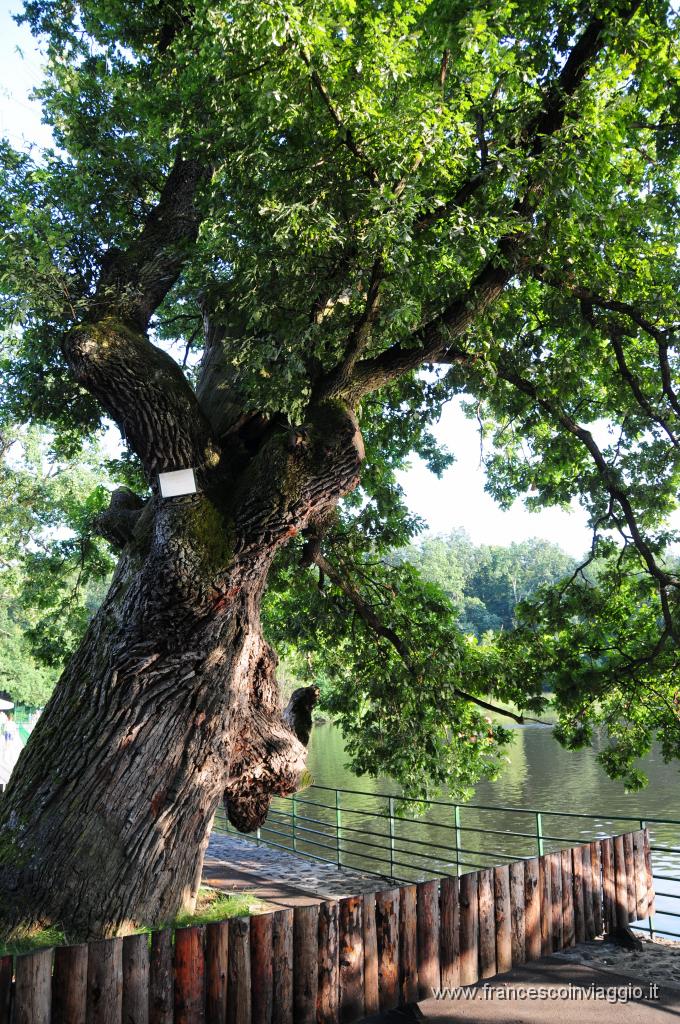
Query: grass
[[214, 905], [211, 905], [36, 940]]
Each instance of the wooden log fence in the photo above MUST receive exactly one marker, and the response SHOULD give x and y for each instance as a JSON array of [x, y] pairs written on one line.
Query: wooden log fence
[[339, 961]]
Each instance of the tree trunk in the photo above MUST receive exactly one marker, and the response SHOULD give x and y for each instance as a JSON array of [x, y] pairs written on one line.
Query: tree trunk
[[170, 704]]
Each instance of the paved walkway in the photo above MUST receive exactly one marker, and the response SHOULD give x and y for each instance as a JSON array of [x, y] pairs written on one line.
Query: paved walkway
[[584, 994], [275, 876]]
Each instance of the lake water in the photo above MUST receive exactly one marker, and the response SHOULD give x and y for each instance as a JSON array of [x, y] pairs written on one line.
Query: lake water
[[541, 776]]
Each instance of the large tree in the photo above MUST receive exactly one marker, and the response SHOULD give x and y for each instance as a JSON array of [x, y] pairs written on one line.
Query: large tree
[[323, 199]]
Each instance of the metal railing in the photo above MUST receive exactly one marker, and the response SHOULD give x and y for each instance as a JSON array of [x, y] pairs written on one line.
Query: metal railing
[[374, 833]]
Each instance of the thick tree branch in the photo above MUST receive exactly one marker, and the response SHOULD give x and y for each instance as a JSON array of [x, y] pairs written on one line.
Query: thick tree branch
[[546, 123], [360, 334], [133, 283], [464, 192], [438, 335], [295, 477], [615, 337], [627, 309], [615, 331], [143, 389], [139, 385], [117, 523], [666, 375]]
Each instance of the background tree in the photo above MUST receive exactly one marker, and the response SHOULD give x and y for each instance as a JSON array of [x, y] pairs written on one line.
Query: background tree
[[323, 198], [53, 570], [487, 583]]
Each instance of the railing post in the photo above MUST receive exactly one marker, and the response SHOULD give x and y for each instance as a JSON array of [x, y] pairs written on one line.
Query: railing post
[[650, 926], [338, 820], [391, 823], [539, 834], [294, 835], [456, 819]]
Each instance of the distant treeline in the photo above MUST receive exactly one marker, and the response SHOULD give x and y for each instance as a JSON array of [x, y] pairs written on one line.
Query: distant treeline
[[486, 582]]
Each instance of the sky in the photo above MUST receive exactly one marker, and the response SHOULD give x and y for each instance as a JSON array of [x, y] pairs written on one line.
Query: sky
[[19, 73], [458, 499]]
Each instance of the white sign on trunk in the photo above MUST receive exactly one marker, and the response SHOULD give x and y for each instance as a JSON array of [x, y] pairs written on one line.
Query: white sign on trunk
[[181, 481]]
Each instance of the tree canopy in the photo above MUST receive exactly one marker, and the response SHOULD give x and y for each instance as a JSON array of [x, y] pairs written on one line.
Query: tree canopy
[[320, 201]]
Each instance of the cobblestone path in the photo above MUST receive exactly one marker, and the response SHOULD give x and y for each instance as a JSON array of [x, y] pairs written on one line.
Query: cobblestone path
[[279, 877]]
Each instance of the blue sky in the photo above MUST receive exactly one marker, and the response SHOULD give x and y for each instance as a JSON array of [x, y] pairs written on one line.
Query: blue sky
[[458, 499]]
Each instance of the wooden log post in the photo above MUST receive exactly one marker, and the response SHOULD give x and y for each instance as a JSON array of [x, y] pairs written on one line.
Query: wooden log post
[[371, 1000], [408, 945], [282, 954], [568, 935], [387, 931], [608, 885], [640, 872], [238, 982], [216, 971], [449, 930], [629, 861], [6, 975], [579, 908], [556, 898], [305, 963], [587, 887], [105, 982], [651, 901], [261, 969], [33, 988], [532, 910], [161, 994], [190, 975], [502, 919], [69, 985], [596, 884], [469, 929], [487, 923], [351, 956], [328, 989], [517, 913], [620, 883], [427, 913], [136, 979], [544, 884]]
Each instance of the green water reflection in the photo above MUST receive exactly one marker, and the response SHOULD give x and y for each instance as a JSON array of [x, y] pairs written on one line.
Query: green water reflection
[[541, 774]]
